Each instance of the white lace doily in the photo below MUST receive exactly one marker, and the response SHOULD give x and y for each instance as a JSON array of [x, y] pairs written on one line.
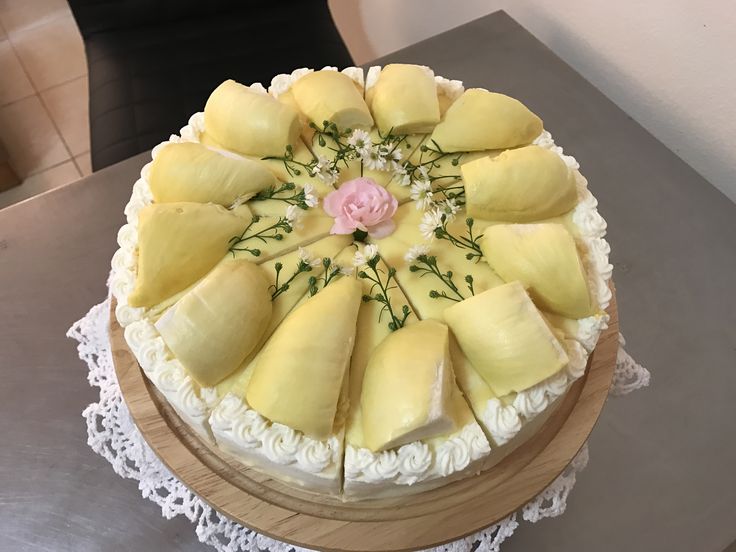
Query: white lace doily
[[112, 434]]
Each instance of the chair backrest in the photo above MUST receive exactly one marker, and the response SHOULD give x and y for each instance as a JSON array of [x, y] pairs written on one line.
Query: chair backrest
[[94, 16]]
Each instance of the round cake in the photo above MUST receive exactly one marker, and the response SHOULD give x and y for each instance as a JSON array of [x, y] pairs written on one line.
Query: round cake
[[362, 284]]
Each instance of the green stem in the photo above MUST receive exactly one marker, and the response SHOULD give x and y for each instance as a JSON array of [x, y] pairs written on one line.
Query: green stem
[[430, 267], [279, 289], [463, 242], [383, 298], [263, 235], [298, 198]]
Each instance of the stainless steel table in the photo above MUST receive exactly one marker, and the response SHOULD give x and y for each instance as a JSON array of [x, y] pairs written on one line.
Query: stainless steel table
[[662, 472]]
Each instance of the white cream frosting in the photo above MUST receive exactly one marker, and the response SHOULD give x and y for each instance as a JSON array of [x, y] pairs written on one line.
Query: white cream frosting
[[357, 74], [578, 359], [502, 421], [453, 89], [166, 373], [589, 330], [545, 140], [371, 77], [195, 127], [232, 420], [417, 461], [281, 84], [531, 402], [122, 277]]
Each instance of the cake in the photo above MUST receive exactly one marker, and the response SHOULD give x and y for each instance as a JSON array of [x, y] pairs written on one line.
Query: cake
[[362, 284]]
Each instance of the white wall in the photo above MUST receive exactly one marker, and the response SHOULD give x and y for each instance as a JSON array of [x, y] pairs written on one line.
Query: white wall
[[668, 63]]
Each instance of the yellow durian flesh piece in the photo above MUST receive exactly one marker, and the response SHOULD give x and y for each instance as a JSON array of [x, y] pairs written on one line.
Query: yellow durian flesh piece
[[544, 258], [219, 322], [299, 152], [188, 171], [299, 374], [521, 185], [294, 297], [506, 339], [331, 96], [178, 243], [283, 304], [372, 330], [407, 387], [288, 98], [483, 120], [249, 121], [404, 99], [475, 388]]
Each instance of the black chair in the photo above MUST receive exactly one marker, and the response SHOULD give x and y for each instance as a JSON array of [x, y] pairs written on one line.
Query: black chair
[[153, 63]]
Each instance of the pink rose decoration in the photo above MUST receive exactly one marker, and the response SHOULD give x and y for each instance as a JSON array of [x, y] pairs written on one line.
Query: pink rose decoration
[[361, 204]]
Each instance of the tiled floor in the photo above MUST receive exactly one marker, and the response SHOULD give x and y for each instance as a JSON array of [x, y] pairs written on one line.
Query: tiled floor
[[43, 96]]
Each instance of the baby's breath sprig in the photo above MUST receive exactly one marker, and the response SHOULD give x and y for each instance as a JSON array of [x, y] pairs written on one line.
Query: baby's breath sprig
[[331, 271], [292, 166], [467, 241], [349, 144], [367, 261], [338, 143], [434, 225], [455, 194], [428, 161], [427, 264], [304, 265], [275, 231], [287, 192]]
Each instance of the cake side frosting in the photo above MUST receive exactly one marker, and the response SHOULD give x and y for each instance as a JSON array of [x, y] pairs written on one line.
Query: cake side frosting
[[245, 433], [417, 461]]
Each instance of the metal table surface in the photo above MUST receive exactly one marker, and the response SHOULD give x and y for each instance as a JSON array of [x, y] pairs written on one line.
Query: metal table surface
[[661, 475]]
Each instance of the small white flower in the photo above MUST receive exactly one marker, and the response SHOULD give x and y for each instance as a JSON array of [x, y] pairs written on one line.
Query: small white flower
[[430, 222], [450, 208], [374, 158], [423, 172], [395, 158], [402, 176], [307, 258], [416, 251], [324, 171], [358, 259], [361, 258], [321, 162], [309, 198], [361, 141], [346, 270], [370, 251], [421, 193], [294, 216]]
